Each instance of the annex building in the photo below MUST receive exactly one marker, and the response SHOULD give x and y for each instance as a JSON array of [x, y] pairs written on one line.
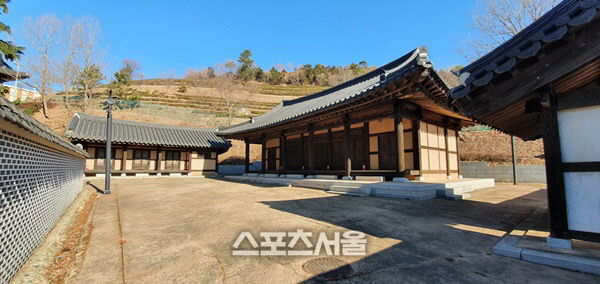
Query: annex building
[[144, 149]]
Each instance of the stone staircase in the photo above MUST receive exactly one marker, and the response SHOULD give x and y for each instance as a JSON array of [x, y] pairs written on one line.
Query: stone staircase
[[459, 190]]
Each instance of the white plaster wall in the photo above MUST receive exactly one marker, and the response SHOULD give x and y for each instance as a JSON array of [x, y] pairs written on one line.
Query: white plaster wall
[[579, 130], [583, 201]]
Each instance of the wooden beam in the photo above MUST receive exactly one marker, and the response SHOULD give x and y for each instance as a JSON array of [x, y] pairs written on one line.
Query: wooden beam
[[329, 148], [416, 144], [347, 148], [282, 149], [263, 154], [366, 151], [399, 129], [158, 158], [557, 206], [247, 158], [216, 163], [189, 161], [302, 151], [124, 158], [581, 167], [584, 97], [448, 151], [311, 148]]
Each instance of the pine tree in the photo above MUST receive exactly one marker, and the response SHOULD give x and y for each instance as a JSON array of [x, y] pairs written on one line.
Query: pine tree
[[7, 48], [246, 69]]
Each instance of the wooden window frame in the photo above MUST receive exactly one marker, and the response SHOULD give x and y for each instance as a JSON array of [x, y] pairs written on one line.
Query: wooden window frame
[[141, 166], [169, 166]]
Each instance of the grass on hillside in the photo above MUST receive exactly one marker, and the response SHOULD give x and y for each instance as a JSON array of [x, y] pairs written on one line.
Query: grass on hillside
[[289, 90]]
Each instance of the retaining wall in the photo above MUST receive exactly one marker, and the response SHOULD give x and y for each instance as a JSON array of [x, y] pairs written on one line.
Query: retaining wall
[[233, 170], [535, 174]]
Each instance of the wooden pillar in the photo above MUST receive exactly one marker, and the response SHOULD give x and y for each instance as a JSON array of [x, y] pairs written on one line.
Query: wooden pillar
[[247, 160], [188, 163], [282, 149], [124, 159], [329, 148], [557, 205], [399, 129], [311, 149], [263, 154], [347, 148], [416, 145], [447, 151], [217, 163], [366, 151], [302, 151], [158, 159]]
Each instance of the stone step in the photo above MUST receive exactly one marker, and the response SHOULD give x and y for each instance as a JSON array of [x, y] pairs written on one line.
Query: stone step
[[406, 193], [460, 187], [271, 175], [326, 177], [363, 191], [461, 196], [369, 178], [294, 176], [346, 193]]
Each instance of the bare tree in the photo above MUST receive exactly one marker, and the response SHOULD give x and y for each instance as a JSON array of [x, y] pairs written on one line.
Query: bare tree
[[496, 21], [130, 68], [92, 57], [169, 79], [232, 93], [195, 78], [42, 35], [344, 74], [67, 69]]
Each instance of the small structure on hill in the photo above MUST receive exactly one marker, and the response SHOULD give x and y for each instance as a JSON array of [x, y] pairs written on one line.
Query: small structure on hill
[[394, 121], [545, 82], [143, 149]]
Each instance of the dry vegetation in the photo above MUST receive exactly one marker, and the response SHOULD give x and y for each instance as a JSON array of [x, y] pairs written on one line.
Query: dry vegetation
[[495, 148]]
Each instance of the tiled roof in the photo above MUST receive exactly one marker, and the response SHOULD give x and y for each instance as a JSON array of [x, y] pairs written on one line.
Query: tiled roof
[[551, 27], [341, 94], [12, 113], [88, 128], [7, 74]]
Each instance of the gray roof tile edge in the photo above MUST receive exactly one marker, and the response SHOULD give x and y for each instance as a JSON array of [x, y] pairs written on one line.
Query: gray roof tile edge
[[552, 26], [13, 114], [89, 128]]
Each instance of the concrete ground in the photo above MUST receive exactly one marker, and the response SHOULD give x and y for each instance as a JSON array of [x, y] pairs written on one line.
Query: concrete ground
[[183, 230]]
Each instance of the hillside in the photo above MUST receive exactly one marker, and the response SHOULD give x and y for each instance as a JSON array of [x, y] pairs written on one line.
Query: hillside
[[201, 107]]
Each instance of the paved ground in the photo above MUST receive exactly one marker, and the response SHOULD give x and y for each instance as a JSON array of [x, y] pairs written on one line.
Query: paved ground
[[183, 230]]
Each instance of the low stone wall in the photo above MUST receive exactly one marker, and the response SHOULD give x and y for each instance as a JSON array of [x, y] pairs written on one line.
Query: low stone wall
[[503, 173], [233, 170]]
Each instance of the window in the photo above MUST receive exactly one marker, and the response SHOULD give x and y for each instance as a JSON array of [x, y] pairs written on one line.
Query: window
[[141, 159], [100, 159], [172, 160]]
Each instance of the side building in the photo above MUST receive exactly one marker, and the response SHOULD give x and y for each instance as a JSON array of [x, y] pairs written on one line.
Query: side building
[[40, 176], [144, 149], [394, 121], [545, 82]]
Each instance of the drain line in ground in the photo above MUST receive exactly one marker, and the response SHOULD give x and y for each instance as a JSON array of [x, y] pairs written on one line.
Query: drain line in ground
[[121, 241]]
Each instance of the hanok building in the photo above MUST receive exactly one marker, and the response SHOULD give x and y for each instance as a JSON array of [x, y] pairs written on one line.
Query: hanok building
[[144, 149], [545, 82], [393, 121]]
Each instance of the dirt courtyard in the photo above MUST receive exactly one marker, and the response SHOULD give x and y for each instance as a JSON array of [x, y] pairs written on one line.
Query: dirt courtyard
[[182, 230]]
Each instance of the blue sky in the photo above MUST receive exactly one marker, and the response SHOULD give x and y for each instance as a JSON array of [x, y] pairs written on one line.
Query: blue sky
[[178, 35]]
